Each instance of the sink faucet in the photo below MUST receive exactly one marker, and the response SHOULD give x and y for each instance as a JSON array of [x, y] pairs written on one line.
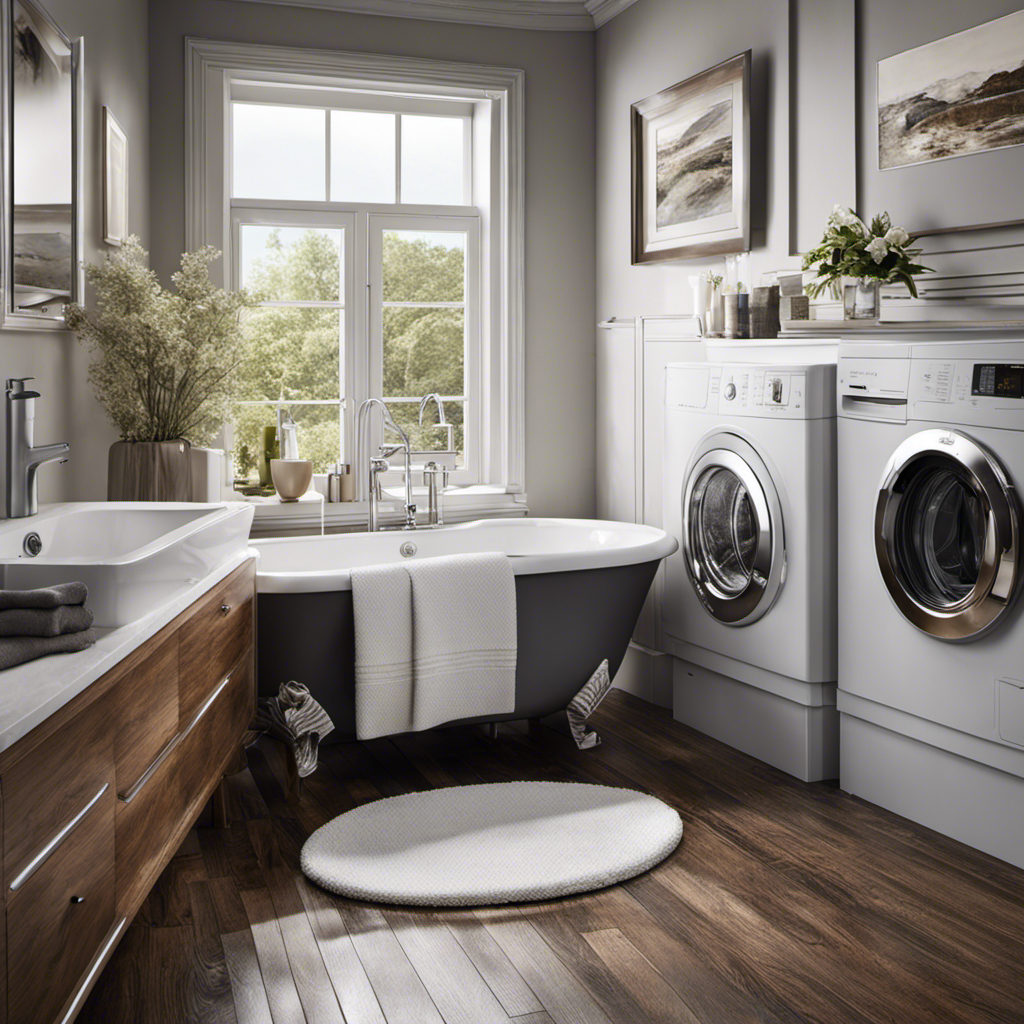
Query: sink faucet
[[23, 459], [372, 466]]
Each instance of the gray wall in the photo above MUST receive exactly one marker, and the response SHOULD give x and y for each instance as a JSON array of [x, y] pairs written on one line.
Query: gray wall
[[116, 74], [559, 187], [650, 46]]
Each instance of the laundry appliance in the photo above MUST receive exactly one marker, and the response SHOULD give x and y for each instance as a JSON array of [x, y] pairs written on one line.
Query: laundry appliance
[[749, 607], [931, 655]]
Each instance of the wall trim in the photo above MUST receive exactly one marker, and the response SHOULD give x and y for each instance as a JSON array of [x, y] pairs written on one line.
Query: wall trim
[[208, 66], [549, 15], [544, 15], [604, 10]]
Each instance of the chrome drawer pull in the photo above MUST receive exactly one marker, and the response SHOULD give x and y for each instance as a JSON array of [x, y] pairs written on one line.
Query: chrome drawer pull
[[43, 855], [225, 608], [77, 899], [131, 793], [74, 1004]]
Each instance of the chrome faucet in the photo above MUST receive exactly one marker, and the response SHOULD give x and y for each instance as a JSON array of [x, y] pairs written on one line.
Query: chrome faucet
[[441, 420], [371, 466], [23, 459], [435, 494]]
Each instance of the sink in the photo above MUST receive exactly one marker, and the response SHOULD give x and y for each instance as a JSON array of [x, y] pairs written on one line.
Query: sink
[[133, 556]]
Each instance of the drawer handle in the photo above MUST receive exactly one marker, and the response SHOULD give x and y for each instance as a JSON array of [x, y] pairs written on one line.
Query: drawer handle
[[225, 608], [44, 854], [77, 899], [128, 795]]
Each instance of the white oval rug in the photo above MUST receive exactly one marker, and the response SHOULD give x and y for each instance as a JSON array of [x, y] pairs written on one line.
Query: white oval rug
[[503, 842]]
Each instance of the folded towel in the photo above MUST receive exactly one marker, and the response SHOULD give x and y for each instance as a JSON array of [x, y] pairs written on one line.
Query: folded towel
[[15, 650], [45, 597], [585, 703], [435, 641], [68, 618], [296, 718]]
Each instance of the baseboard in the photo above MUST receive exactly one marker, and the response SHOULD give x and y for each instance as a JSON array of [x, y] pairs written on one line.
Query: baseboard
[[646, 674], [954, 795], [797, 738]]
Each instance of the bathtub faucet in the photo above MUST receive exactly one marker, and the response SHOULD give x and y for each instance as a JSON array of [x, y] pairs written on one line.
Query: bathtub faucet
[[23, 457], [369, 466]]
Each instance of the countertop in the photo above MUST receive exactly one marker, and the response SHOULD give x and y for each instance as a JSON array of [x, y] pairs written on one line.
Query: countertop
[[30, 693]]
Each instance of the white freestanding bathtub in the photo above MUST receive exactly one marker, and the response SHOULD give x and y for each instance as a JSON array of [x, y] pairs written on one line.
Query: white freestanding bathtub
[[580, 585]]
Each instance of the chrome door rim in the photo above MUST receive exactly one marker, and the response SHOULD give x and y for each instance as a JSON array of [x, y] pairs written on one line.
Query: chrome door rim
[[999, 571], [732, 453]]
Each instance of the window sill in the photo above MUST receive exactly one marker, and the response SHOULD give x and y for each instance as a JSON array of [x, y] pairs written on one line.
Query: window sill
[[311, 514]]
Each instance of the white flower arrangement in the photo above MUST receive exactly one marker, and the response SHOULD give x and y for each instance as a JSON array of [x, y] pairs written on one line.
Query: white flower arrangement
[[850, 248], [165, 362]]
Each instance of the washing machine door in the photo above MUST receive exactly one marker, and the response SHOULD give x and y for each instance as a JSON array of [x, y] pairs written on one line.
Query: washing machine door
[[947, 535], [733, 539]]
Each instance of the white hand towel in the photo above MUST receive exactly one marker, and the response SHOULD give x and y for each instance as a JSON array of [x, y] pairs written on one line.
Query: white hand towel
[[464, 637], [435, 641], [382, 611]]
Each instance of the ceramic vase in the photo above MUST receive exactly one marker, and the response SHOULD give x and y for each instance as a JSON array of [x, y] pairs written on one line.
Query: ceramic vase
[[149, 471], [701, 290], [862, 299]]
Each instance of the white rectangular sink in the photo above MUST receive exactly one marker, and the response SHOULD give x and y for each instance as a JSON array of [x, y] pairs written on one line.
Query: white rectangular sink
[[133, 556]]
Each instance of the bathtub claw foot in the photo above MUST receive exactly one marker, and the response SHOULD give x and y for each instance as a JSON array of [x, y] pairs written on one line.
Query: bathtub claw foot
[[492, 730]]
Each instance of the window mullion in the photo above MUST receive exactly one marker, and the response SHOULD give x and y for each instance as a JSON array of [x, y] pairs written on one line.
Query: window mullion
[[398, 158], [327, 154]]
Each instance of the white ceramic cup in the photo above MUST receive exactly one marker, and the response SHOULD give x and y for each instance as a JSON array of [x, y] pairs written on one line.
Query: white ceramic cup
[[291, 477]]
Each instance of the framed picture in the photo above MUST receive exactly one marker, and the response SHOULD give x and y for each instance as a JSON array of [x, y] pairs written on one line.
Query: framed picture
[[691, 166], [954, 96], [115, 180]]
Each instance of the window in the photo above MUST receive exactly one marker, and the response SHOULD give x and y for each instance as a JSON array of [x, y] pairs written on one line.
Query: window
[[375, 204], [420, 272]]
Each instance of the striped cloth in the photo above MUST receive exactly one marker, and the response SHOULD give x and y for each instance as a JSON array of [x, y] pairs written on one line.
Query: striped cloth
[[296, 718], [585, 703]]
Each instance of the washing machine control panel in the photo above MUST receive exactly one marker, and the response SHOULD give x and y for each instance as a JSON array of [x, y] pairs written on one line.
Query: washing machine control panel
[[776, 392], [757, 390]]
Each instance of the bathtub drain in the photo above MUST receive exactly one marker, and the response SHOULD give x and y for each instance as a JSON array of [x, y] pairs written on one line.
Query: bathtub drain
[[408, 549]]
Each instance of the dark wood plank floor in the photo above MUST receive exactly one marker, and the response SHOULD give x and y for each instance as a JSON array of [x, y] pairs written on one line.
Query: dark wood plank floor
[[785, 902]]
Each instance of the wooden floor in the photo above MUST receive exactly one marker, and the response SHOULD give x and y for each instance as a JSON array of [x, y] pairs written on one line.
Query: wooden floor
[[785, 902]]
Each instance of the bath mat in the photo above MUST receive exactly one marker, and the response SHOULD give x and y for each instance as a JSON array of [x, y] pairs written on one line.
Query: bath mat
[[584, 704], [507, 842]]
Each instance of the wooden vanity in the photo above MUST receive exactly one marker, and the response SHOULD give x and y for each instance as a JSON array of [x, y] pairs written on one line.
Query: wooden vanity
[[97, 798]]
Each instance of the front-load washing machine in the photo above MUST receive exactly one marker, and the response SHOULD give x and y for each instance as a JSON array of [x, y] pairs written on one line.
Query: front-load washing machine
[[749, 606], [931, 656]]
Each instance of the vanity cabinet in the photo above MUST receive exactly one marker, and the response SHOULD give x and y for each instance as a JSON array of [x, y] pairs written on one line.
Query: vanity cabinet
[[97, 798]]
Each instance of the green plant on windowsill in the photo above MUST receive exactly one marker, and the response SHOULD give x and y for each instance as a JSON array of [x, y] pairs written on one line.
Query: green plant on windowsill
[[849, 248]]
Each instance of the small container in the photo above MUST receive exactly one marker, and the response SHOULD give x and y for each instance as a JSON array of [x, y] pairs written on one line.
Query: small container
[[334, 486], [737, 315], [764, 312], [341, 483]]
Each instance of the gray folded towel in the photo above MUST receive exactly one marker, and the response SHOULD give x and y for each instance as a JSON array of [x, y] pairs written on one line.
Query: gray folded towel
[[45, 597], [295, 717], [15, 650], [68, 618]]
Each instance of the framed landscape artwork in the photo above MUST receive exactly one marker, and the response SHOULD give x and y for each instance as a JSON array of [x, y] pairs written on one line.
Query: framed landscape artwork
[[115, 180], [691, 166], [958, 95]]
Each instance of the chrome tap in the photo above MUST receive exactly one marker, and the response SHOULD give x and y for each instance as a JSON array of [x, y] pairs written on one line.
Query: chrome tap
[[441, 420], [23, 459], [370, 466]]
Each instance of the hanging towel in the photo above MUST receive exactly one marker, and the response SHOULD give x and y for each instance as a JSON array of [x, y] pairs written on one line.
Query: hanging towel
[[45, 597], [67, 618], [584, 704], [14, 650], [435, 642], [296, 718]]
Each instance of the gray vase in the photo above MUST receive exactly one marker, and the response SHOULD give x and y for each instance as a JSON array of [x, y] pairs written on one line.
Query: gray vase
[[149, 471], [764, 312]]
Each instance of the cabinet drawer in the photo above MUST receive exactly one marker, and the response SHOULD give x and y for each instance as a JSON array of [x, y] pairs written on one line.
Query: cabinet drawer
[[59, 917], [145, 706], [50, 785], [173, 790], [213, 640]]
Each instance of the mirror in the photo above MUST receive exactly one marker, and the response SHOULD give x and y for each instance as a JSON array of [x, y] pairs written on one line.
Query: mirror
[[42, 192]]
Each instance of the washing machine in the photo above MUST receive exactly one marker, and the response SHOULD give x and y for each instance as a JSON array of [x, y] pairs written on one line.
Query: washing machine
[[749, 608], [931, 656]]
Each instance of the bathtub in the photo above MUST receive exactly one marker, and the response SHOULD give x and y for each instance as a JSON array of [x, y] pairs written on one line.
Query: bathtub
[[580, 585]]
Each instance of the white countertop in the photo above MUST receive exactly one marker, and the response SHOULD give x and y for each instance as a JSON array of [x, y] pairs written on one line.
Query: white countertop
[[31, 692]]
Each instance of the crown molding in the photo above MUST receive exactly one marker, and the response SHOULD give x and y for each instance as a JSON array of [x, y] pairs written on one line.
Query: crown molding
[[604, 10], [549, 15]]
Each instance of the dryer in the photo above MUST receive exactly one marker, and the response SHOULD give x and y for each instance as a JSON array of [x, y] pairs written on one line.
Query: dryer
[[749, 604], [931, 657]]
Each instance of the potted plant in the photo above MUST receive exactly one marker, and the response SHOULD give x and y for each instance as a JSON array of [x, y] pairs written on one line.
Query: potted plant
[[164, 365], [873, 255]]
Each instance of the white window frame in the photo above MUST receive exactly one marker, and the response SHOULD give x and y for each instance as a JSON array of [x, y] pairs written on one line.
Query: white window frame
[[212, 66]]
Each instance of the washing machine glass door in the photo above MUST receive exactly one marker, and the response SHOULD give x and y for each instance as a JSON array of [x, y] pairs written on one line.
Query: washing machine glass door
[[947, 535], [732, 531]]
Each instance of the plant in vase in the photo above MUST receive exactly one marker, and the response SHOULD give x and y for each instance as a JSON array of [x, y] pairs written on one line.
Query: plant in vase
[[873, 255], [164, 365]]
